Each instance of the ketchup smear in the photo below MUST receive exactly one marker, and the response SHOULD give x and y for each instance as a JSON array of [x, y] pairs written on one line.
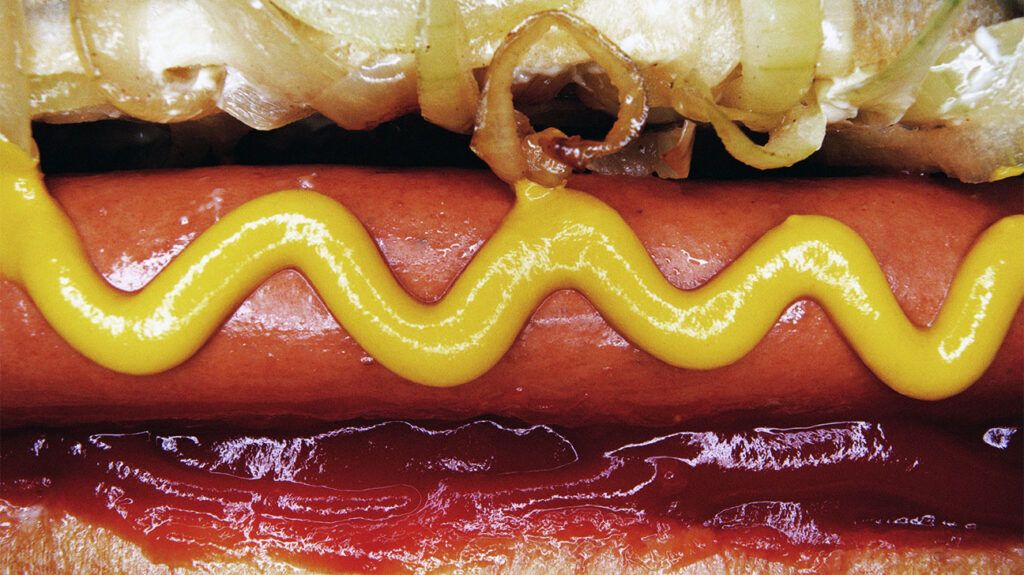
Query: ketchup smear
[[392, 496]]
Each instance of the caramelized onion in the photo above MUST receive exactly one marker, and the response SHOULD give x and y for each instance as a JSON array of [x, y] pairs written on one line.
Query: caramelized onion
[[548, 157], [282, 72], [665, 152], [373, 93], [798, 136], [115, 37], [446, 87], [676, 147], [781, 43]]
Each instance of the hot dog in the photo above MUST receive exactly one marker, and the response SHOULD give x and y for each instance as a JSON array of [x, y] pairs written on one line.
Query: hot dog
[[213, 332], [283, 346]]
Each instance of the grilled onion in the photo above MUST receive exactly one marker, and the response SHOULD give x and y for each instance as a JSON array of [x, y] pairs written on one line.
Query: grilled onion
[[447, 89], [115, 38], [511, 148]]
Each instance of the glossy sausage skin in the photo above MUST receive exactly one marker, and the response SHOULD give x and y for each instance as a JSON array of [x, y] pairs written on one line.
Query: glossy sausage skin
[[283, 355]]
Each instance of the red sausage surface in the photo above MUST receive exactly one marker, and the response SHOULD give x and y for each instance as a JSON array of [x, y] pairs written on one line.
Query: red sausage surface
[[282, 353]]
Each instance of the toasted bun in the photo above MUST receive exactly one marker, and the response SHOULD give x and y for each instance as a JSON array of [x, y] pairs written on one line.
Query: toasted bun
[[34, 541]]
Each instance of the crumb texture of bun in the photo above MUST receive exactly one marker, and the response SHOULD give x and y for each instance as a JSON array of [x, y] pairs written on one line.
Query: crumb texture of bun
[[36, 542]]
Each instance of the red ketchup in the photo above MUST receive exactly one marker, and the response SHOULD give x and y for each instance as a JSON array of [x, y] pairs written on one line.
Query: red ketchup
[[394, 496]]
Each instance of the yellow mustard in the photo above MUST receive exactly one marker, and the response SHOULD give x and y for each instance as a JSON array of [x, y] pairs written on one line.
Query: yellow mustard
[[553, 238]]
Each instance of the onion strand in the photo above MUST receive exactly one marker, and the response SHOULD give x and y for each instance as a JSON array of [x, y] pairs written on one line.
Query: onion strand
[[781, 43], [511, 149], [798, 136], [884, 98], [446, 88]]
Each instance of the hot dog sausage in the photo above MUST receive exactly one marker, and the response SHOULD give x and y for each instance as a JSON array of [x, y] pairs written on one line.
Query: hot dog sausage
[[283, 354]]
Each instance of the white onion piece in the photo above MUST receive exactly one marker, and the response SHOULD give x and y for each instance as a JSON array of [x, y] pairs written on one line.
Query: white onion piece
[[256, 107], [53, 48], [57, 94], [798, 136], [115, 38], [838, 19], [372, 25], [972, 76], [884, 97], [261, 45], [445, 84], [376, 92], [15, 116], [781, 43]]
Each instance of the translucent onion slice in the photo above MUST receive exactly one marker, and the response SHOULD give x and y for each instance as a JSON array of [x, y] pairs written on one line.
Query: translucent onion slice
[[285, 72], [836, 58], [973, 75], [446, 87], [373, 93], [884, 97], [675, 148], [15, 115], [781, 43], [665, 152], [548, 157], [372, 25], [489, 21], [67, 96], [115, 37], [255, 106], [798, 136], [967, 121], [52, 47]]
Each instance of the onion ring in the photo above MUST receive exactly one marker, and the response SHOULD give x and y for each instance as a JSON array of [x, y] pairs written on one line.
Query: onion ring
[[548, 157]]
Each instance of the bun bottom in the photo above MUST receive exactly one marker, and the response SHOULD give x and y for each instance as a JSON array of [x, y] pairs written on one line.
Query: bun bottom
[[34, 541]]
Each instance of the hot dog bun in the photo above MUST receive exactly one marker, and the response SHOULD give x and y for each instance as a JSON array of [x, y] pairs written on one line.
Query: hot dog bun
[[45, 544]]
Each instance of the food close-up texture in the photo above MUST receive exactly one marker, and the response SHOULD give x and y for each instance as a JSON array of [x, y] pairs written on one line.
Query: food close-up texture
[[499, 286]]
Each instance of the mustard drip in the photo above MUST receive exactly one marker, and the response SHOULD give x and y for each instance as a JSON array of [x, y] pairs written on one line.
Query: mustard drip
[[553, 238]]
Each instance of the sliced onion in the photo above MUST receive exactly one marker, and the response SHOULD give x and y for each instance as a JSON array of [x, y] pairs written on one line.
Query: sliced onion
[[59, 95], [376, 92], [690, 98], [838, 19], [114, 38], [256, 106], [286, 67], [447, 89], [797, 137], [972, 76], [261, 45], [373, 25], [489, 21], [781, 42], [676, 151], [665, 152], [15, 115], [548, 157], [884, 97], [967, 120]]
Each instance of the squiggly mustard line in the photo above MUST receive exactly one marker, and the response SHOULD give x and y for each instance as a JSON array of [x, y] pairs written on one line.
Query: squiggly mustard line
[[552, 239]]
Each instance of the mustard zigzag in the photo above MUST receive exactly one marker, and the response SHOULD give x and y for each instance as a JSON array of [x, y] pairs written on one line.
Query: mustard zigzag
[[552, 239]]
